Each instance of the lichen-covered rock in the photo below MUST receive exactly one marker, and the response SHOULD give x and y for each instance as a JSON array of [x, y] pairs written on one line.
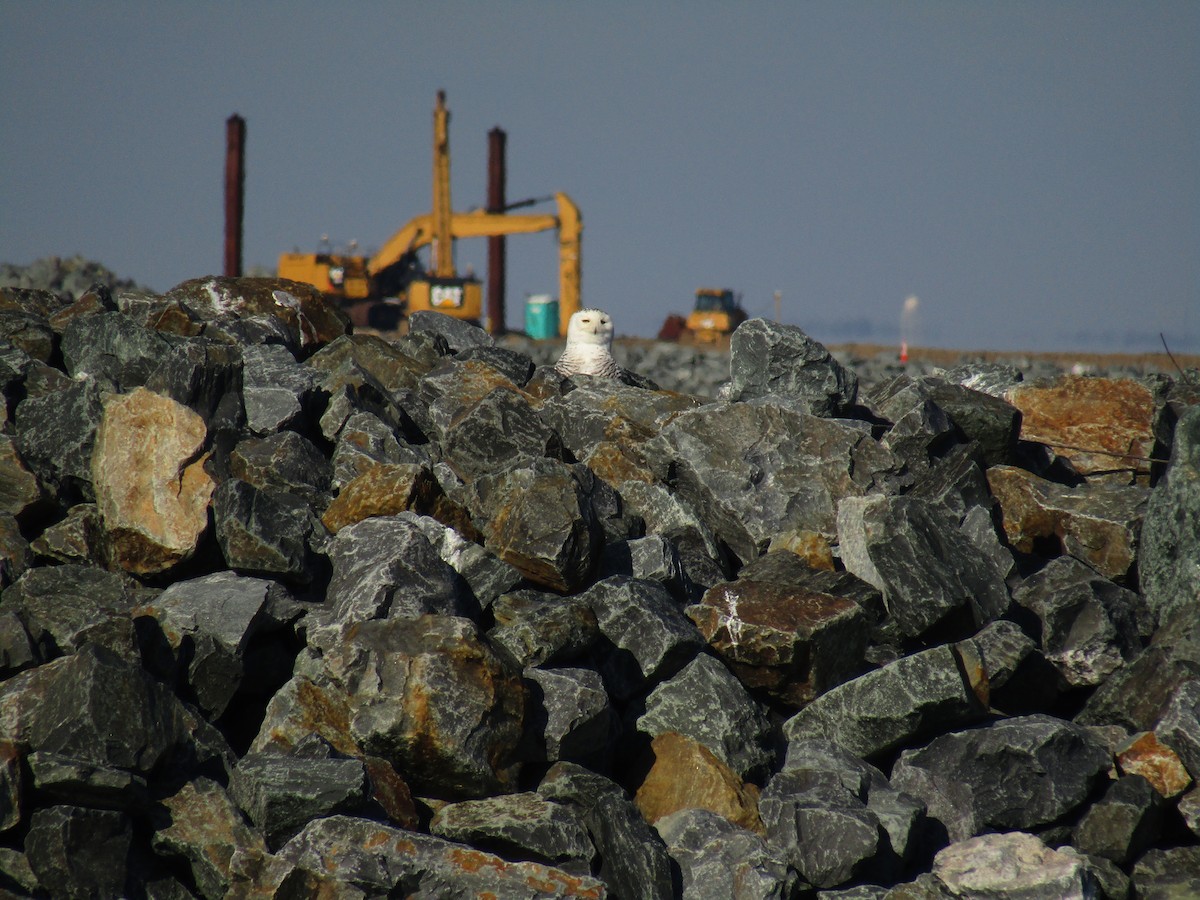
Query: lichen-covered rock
[[266, 532]]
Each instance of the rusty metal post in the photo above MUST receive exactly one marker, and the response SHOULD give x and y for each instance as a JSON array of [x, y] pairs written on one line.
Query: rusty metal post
[[235, 183], [496, 178]]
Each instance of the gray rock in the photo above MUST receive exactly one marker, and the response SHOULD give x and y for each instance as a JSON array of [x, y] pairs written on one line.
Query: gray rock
[[209, 623], [429, 696], [1169, 561], [755, 470], [69, 780], [1013, 865], [266, 532], [633, 859], [1168, 873], [76, 539], [651, 638], [113, 350], [499, 430], [385, 567], [988, 419], [198, 373], [277, 391], [706, 703], [458, 334], [540, 519], [486, 574], [56, 433], [825, 831], [1179, 726], [719, 859], [1018, 677], [920, 429], [1124, 823], [672, 517], [94, 707], [62, 608], [769, 358], [515, 366], [569, 717], [652, 557], [281, 794], [1137, 695], [16, 647], [1018, 773], [284, 461], [902, 702], [78, 852], [535, 629], [523, 826], [1089, 626], [358, 854], [930, 574], [203, 828], [366, 441], [820, 762]]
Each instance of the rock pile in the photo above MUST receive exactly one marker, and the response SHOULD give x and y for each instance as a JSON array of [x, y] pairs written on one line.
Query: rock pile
[[291, 611]]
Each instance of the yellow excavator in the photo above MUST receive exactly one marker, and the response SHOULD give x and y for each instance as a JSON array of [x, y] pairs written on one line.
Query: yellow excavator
[[394, 272]]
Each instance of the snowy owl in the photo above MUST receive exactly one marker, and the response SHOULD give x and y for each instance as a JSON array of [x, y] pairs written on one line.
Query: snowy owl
[[589, 346]]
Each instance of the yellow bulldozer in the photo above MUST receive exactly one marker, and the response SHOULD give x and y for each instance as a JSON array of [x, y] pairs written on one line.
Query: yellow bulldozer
[[718, 311], [378, 289]]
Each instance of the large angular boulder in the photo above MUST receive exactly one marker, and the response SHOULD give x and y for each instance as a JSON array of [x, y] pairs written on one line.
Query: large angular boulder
[[913, 697], [152, 490], [1013, 865], [569, 716], [1098, 523], [430, 696], [633, 858], [769, 358], [931, 575], [1017, 774], [523, 826], [685, 774], [719, 859], [755, 470], [56, 434], [112, 349], [347, 856], [706, 703], [1167, 568], [1107, 428], [788, 642]]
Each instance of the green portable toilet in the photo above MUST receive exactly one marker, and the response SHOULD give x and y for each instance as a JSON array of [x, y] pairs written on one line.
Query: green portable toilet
[[541, 317]]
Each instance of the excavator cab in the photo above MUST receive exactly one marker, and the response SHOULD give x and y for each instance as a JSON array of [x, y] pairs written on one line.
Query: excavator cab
[[458, 297]]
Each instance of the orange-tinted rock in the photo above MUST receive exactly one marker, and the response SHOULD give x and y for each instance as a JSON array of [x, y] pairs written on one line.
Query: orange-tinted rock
[[19, 488], [1145, 755], [687, 775], [151, 488], [811, 546], [792, 643], [1098, 523], [1104, 426], [383, 490], [610, 462]]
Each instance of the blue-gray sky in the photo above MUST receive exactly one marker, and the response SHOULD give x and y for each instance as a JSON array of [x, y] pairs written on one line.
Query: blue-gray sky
[[1029, 170]]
